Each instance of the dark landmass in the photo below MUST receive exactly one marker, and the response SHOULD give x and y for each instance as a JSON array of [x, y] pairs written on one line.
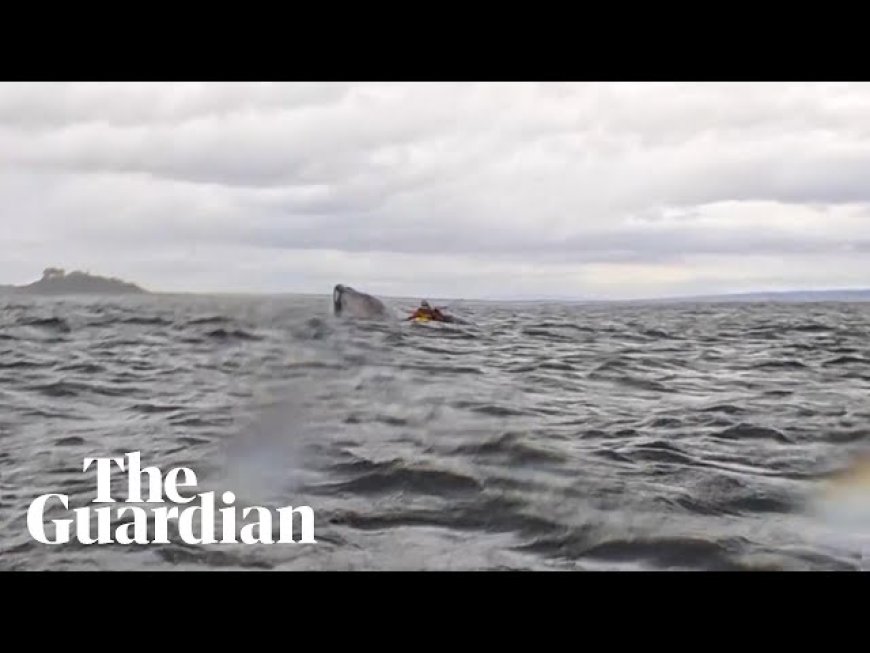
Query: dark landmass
[[57, 282], [784, 296], [793, 296]]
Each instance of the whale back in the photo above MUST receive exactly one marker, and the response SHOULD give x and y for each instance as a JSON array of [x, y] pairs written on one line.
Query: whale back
[[348, 302]]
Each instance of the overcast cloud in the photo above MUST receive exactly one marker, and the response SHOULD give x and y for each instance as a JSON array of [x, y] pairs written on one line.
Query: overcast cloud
[[440, 190]]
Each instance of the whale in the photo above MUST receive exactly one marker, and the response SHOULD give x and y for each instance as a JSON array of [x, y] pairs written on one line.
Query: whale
[[347, 302]]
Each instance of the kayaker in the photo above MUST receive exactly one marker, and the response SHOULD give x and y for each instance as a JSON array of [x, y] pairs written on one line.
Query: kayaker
[[428, 313]]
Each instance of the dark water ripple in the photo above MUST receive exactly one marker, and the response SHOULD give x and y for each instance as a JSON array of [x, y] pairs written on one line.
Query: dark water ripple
[[538, 437]]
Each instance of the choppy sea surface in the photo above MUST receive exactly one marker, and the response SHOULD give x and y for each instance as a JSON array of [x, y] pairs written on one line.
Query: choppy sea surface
[[536, 437]]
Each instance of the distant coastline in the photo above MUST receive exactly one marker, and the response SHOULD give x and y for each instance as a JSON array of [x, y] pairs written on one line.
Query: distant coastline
[[56, 281], [783, 296]]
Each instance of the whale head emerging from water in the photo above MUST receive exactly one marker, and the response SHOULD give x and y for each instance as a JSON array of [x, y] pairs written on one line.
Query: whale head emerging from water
[[351, 303]]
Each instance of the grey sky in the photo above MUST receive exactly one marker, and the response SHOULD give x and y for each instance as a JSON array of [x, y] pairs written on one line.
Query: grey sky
[[450, 190]]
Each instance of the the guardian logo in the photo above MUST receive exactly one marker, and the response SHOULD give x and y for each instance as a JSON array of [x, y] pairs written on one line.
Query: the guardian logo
[[195, 524]]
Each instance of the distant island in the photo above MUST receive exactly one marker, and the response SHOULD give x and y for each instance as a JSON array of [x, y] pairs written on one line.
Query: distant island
[[783, 296], [56, 281]]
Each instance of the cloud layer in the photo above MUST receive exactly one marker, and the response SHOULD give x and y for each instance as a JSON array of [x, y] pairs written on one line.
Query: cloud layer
[[469, 190]]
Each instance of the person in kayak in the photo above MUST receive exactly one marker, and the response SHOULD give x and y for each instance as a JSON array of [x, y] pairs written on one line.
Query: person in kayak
[[426, 312]]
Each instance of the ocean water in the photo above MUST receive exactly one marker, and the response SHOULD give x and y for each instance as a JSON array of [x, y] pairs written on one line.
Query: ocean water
[[536, 437]]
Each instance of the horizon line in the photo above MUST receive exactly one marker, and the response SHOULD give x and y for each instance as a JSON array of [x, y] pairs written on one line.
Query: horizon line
[[709, 296], [585, 300]]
